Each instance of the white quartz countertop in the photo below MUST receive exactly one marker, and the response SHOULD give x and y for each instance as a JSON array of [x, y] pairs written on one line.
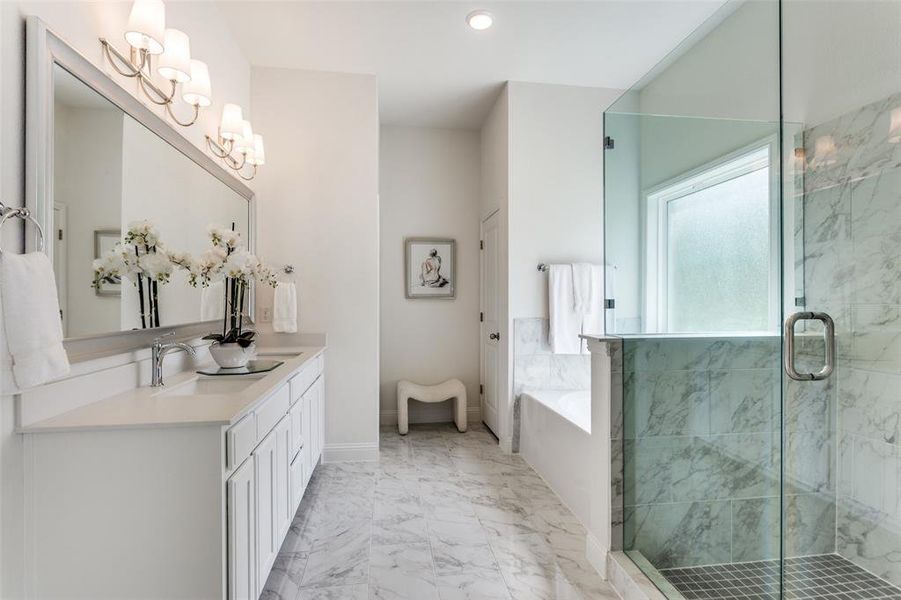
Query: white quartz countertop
[[157, 407]]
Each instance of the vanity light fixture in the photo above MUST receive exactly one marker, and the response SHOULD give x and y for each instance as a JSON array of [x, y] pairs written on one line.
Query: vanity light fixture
[[480, 20], [236, 136], [147, 37]]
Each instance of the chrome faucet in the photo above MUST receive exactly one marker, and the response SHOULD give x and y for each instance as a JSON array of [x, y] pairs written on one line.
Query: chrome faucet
[[159, 350]]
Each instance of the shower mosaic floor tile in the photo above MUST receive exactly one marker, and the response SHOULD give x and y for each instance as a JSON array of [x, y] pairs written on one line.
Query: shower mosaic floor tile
[[824, 577], [441, 516]]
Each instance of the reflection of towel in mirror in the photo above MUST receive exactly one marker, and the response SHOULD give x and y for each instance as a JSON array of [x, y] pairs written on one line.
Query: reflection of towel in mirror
[[31, 336], [284, 309], [212, 301]]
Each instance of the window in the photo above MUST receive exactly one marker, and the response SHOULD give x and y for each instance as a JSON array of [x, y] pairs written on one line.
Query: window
[[712, 247]]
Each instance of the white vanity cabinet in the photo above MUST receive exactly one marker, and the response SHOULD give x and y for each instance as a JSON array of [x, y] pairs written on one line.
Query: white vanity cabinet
[[194, 510]]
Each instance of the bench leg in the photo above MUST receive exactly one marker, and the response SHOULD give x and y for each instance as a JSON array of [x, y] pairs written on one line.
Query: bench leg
[[460, 417], [403, 416]]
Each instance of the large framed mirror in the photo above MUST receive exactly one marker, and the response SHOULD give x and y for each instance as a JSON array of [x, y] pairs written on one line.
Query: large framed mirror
[[100, 163]]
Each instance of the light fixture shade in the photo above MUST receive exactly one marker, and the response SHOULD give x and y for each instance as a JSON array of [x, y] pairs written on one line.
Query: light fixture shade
[[258, 156], [894, 130], [232, 125], [198, 90], [147, 25], [175, 62], [245, 142]]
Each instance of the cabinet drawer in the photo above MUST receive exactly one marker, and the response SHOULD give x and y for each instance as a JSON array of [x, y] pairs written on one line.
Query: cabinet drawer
[[271, 411], [297, 482], [240, 441], [301, 382], [296, 416]]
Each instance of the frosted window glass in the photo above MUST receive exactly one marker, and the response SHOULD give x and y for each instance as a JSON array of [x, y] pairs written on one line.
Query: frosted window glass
[[718, 257]]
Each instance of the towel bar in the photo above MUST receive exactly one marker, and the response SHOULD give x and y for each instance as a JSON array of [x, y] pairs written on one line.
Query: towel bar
[[22, 213]]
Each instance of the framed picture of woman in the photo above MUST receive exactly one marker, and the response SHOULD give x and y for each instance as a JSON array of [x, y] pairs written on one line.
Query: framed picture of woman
[[431, 267]]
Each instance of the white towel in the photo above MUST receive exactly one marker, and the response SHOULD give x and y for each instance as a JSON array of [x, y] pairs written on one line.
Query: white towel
[[212, 302], [593, 317], [33, 331], [284, 308], [582, 288], [565, 323]]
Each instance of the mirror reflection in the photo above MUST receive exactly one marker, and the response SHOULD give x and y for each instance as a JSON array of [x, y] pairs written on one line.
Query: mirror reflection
[[112, 175]]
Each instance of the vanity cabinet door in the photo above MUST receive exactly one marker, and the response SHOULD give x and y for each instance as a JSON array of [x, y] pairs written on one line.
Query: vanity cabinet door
[[308, 428], [320, 418], [283, 514], [265, 463], [240, 496]]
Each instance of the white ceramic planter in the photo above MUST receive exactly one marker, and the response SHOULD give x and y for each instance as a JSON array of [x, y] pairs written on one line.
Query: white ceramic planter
[[232, 356]]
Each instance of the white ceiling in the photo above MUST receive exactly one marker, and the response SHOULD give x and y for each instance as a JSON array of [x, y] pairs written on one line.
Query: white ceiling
[[433, 70]]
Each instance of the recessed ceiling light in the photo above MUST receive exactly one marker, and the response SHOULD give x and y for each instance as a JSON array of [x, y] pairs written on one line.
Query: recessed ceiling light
[[480, 19]]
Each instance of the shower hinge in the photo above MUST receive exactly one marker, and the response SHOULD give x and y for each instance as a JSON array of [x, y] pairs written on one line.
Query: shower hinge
[[609, 303], [481, 389], [800, 301], [481, 245], [481, 317], [608, 142]]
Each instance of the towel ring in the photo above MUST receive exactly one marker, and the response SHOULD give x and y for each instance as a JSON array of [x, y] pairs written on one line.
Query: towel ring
[[22, 213]]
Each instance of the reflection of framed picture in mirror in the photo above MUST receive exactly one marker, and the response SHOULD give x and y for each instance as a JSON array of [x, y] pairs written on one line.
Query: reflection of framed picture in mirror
[[431, 267], [104, 241]]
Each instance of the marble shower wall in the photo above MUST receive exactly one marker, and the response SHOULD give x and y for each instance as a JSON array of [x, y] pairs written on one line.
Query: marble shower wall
[[852, 254], [536, 367], [701, 452]]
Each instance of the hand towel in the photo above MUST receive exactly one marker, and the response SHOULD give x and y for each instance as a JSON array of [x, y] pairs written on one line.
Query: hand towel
[[581, 288], [33, 331], [565, 323], [212, 302], [593, 317], [284, 309]]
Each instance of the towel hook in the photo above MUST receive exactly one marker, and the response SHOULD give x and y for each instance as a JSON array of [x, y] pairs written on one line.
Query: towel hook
[[25, 214]]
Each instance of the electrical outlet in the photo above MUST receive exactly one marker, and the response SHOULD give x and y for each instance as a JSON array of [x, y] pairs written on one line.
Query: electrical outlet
[[266, 317]]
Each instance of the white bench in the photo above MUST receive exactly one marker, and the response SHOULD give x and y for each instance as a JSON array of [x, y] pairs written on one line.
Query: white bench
[[452, 388]]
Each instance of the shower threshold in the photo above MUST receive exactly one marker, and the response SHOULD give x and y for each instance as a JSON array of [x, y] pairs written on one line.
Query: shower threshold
[[822, 577]]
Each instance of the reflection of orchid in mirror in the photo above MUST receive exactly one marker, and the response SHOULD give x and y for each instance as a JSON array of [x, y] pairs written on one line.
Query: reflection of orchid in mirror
[[141, 259]]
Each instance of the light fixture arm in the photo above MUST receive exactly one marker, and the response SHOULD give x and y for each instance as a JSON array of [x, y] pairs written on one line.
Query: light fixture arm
[[114, 56], [164, 99], [184, 123]]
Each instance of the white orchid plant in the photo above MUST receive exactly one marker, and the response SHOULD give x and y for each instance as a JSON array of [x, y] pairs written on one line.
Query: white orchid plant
[[141, 259], [227, 260]]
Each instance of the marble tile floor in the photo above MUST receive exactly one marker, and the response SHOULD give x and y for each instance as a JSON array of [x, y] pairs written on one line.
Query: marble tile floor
[[441, 516]]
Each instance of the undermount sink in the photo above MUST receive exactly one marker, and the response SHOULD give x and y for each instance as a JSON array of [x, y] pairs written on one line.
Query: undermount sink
[[204, 386]]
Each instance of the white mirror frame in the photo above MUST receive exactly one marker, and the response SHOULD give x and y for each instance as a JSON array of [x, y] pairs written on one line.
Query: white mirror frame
[[44, 49]]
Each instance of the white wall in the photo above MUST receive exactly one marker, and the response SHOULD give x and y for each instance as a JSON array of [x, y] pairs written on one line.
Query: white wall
[[557, 185], [92, 195], [494, 197], [318, 210], [429, 187], [81, 23]]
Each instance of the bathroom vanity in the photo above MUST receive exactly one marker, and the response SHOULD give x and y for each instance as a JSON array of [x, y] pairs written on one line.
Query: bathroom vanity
[[183, 491]]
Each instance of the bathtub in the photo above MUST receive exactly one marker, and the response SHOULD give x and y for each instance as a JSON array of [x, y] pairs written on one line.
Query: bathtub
[[555, 432]]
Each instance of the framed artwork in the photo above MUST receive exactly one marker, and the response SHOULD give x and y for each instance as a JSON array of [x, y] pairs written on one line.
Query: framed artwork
[[104, 241], [430, 267]]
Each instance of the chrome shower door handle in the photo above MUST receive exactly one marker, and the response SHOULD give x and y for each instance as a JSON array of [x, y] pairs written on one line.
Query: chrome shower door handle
[[788, 355]]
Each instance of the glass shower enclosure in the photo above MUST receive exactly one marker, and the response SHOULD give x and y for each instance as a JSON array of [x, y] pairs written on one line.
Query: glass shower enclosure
[[753, 213]]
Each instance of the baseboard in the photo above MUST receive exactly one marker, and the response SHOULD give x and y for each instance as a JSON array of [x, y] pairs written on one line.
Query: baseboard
[[430, 413], [367, 452], [596, 554]]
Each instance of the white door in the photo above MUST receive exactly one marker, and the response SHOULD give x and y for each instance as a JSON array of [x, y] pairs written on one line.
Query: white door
[[265, 463], [490, 322], [241, 533], [60, 239]]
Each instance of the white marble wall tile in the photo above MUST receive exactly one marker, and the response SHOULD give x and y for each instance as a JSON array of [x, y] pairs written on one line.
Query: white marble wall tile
[[531, 337], [743, 400], [660, 403], [570, 372]]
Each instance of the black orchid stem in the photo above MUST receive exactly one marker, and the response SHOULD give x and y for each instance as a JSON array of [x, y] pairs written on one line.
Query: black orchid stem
[[141, 294]]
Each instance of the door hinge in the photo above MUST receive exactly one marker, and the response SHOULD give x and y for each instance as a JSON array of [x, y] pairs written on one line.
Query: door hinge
[[59, 235], [481, 244], [481, 389], [608, 142], [609, 303], [481, 317]]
